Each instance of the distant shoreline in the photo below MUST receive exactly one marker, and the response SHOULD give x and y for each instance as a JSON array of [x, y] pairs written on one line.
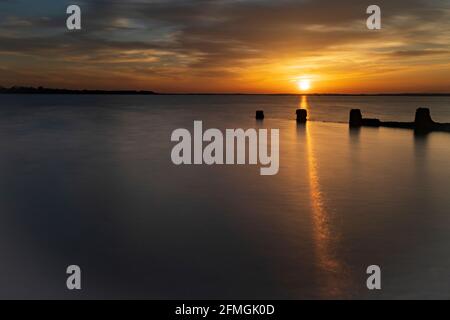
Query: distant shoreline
[[41, 90]]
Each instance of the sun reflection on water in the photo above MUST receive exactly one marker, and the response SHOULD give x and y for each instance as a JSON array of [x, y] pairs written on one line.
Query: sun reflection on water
[[331, 269]]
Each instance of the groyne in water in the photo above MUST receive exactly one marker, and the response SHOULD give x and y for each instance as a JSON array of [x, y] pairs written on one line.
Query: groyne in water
[[422, 123]]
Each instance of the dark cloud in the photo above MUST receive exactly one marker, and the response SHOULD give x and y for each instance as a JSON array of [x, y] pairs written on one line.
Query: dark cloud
[[212, 37]]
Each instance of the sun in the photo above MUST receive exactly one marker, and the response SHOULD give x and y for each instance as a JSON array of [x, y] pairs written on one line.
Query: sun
[[304, 84]]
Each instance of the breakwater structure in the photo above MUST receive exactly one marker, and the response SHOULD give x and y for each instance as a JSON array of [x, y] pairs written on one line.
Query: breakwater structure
[[423, 122]]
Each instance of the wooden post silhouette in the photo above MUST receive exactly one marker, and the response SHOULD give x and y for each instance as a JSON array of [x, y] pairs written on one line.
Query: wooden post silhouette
[[302, 115], [259, 115]]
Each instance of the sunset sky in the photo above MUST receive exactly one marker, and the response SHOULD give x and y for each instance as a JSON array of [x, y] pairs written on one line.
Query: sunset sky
[[252, 46]]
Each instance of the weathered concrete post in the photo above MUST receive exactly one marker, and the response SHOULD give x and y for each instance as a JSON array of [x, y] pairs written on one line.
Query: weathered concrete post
[[423, 120], [259, 115], [302, 115], [356, 119]]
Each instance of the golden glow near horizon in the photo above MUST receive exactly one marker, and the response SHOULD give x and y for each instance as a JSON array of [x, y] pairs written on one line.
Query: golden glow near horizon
[[304, 84]]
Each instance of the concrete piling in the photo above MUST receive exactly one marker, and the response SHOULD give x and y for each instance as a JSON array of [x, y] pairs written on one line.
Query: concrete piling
[[355, 118], [423, 121]]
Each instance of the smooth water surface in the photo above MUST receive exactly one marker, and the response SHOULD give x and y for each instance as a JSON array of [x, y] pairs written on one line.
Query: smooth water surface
[[88, 180]]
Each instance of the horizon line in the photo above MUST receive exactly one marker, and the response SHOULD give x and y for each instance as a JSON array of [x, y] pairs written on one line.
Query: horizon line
[[44, 90]]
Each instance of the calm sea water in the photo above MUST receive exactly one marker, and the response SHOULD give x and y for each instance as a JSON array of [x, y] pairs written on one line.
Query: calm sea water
[[88, 180]]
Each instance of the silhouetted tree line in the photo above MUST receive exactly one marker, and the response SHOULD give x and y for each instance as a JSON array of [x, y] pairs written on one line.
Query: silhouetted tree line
[[41, 90]]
